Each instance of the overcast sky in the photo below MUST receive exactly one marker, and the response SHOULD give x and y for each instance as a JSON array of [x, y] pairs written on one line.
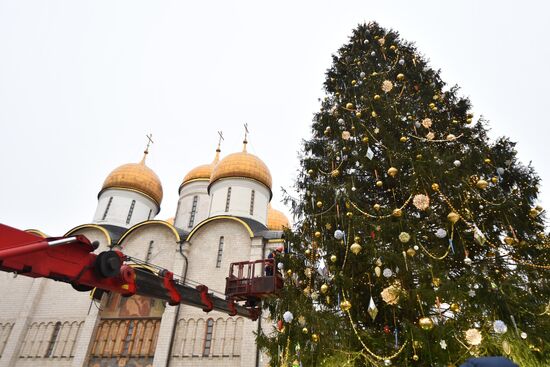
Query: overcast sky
[[83, 82]]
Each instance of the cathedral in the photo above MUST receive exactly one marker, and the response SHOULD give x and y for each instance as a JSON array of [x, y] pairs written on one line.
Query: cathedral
[[223, 216]]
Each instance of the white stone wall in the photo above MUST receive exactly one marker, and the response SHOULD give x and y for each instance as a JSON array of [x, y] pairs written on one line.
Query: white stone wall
[[233, 340], [239, 204], [162, 250], [185, 203], [120, 206]]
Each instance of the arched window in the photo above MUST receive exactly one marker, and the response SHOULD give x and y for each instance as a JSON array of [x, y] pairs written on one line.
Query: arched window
[[228, 199], [193, 211], [220, 252], [130, 212], [53, 339], [107, 208], [252, 194], [208, 338], [149, 251]]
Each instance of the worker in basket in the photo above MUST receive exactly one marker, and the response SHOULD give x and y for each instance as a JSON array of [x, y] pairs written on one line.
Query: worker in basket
[[269, 270]]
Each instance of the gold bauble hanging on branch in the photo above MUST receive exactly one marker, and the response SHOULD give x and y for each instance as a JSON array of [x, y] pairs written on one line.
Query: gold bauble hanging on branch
[[392, 171], [345, 305], [453, 217], [482, 184], [355, 248], [426, 323], [397, 213]]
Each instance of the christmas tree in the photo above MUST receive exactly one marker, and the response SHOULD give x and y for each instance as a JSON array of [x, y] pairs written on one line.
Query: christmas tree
[[418, 239]]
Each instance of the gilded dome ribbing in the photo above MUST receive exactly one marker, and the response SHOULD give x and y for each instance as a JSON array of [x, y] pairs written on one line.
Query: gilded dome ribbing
[[276, 220], [202, 172], [242, 164], [135, 176]]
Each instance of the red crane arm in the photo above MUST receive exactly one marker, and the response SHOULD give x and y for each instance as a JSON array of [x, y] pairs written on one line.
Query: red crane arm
[[71, 260]]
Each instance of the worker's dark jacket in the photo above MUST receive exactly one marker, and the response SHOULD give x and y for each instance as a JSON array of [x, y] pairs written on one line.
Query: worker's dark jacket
[[489, 362]]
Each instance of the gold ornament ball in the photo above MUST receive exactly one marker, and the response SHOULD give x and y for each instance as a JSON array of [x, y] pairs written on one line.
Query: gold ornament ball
[[319, 204], [335, 173], [469, 121], [353, 82], [308, 252], [358, 115], [482, 184], [426, 323], [453, 217], [435, 187], [345, 305], [432, 105], [508, 240], [392, 171], [355, 248], [376, 207], [318, 234], [533, 213], [403, 139], [324, 288], [374, 114], [349, 106], [349, 214], [377, 97], [419, 156], [333, 258], [397, 212], [314, 338], [487, 160], [400, 76], [305, 330], [455, 307], [393, 47], [436, 282], [357, 239], [310, 172], [416, 357], [411, 252], [365, 139], [379, 183], [289, 272]]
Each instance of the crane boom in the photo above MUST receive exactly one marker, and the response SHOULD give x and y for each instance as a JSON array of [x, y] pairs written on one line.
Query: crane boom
[[72, 260]]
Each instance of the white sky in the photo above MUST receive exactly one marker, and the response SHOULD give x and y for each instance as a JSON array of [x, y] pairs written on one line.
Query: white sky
[[82, 82]]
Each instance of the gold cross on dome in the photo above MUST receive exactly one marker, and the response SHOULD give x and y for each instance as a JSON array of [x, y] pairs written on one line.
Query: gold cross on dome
[[220, 133], [246, 132], [149, 141]]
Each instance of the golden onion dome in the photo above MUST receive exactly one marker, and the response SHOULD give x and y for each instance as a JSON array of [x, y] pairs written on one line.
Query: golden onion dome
[[276, 220], [202, 172], [242, 164], [137, 177]]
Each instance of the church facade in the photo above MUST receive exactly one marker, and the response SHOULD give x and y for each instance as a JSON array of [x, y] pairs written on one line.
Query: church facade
[[223, 216]]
